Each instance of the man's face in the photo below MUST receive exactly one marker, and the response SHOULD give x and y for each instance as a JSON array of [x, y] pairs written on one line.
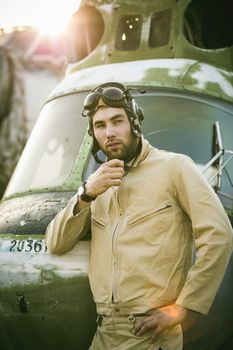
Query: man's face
[[113, 133]]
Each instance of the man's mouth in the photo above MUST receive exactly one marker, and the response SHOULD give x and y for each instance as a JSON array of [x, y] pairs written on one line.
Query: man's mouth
[[113, 144]]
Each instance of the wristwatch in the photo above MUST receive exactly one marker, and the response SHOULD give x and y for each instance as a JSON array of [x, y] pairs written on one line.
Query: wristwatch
[[82, 194]]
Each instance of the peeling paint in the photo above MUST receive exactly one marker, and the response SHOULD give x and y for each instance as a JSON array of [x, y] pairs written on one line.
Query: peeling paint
[[24, 268], [207, 74], [197, 77]]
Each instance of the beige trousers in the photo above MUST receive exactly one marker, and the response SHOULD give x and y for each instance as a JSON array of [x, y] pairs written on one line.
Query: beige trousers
[[115, 333]]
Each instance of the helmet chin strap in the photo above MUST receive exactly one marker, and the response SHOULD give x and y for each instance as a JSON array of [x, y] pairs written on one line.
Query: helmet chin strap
[[97, 159]]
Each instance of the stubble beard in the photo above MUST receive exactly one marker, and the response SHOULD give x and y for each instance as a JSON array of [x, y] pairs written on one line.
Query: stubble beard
[[126, 151]]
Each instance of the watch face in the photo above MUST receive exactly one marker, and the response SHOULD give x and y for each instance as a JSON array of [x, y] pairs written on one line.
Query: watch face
[[81, 191], [83, 196]]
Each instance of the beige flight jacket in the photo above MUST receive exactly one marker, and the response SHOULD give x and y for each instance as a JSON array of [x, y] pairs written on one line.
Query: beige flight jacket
[[143, 235]]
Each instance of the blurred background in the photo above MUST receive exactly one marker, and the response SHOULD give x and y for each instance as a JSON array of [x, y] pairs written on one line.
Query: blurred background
[[36, 44]]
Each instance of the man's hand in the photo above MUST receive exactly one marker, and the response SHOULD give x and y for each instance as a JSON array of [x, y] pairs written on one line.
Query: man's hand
[[107, 175], [160, 319]]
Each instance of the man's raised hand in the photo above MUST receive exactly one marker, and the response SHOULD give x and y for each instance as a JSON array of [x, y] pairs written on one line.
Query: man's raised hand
[[107, 175]]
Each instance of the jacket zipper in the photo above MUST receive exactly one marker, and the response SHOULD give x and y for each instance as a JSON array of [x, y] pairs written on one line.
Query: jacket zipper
[[164, 207], [114, 249], [149, 214], [115, 262]]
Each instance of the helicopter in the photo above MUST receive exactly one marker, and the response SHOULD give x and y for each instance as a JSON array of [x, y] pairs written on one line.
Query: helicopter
[[180, 56]]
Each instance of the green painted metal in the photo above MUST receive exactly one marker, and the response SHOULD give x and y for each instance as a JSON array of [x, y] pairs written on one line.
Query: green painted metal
[[75, 177], [177, 46], [178, 74]]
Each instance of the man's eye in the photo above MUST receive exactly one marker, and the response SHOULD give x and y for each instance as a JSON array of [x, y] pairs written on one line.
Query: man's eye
[[99, 126], [118, 121]]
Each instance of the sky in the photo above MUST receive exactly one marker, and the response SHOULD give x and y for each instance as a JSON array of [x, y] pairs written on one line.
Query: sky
[[47, 15]]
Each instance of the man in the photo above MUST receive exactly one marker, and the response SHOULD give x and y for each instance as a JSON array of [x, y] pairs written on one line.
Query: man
[[146, 208]]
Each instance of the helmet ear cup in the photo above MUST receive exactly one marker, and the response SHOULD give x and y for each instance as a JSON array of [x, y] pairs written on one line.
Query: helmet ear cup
[[140, 114], [136, 116]]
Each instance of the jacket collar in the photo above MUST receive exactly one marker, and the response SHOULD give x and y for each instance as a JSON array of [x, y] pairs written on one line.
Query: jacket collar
[[142, 155]]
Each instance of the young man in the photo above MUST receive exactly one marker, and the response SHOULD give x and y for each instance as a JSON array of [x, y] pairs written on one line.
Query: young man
[[146, 209]]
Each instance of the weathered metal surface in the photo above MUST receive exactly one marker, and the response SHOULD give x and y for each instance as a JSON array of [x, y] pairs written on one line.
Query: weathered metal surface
[[179, 74], [177, 45], [30, 214], [56, 315]]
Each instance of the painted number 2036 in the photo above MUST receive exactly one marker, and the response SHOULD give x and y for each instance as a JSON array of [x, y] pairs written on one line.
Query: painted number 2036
[[28, 245]]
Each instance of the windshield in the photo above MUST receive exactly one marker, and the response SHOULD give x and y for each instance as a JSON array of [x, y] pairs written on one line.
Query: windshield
[[174, 122], [53, 145], [184, 124]]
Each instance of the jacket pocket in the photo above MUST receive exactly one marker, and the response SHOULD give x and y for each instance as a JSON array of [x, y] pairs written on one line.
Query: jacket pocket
[[148, 214], [98, 222]]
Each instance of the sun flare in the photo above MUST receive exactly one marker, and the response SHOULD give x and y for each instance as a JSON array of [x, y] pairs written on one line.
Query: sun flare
[[50, 26], [49, 16]]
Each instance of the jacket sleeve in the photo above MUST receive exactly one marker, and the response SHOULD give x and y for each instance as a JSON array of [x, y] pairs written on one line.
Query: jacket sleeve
[[66, 228], [212, 233]]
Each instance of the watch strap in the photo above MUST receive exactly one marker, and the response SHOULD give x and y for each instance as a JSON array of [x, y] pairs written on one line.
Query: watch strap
[[85, 197]]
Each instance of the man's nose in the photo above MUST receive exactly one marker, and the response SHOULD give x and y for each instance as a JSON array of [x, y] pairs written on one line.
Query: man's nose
[[110, 130]]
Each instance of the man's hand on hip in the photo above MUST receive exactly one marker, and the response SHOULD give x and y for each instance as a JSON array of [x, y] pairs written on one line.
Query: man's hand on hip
[[160, 319]]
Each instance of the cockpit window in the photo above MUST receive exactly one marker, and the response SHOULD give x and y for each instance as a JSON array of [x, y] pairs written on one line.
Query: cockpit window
[[160, 28], [128, 33], [208, 24], [53, 146]]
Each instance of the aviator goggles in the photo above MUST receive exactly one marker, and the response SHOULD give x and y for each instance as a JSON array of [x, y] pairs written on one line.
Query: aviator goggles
[[111, 96]]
